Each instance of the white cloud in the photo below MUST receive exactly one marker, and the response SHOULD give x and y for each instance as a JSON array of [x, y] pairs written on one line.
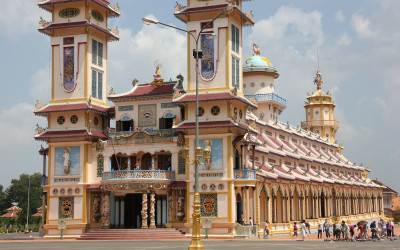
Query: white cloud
[[17, 125], [289, 20], [19, 17], [361, 25], [41, 84], [134, 55], [339, 16], [344, 40]]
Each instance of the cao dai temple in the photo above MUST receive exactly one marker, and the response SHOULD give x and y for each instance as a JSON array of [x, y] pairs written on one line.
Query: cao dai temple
[[135, 175]]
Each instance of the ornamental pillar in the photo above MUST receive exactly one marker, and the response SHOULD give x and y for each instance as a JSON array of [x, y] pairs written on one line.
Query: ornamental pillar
[[105, 210], [122, 214], [152, 210], [144, 210], [247, 192], [258, 210]]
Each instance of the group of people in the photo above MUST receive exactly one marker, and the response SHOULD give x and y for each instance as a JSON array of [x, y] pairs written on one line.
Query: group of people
[[345, 231], [342, 231]]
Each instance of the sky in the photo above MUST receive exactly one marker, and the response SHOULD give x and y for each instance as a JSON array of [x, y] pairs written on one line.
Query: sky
[[358, 44]]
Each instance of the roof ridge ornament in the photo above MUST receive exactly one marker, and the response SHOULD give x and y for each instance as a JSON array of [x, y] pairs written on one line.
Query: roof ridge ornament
[[318, 80], [256, 50]]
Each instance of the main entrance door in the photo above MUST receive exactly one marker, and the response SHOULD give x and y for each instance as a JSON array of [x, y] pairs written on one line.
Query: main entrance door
[[133, 208], [161, 210]]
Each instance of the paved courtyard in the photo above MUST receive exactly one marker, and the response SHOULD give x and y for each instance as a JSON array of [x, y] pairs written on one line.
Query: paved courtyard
[[211, 245]]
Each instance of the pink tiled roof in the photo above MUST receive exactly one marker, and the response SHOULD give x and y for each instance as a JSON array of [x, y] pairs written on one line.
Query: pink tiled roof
[[212, 97], [102, 3], [58, 26], [210, 8], [69, 134], [52, 108], [212, 124], [146, 90]]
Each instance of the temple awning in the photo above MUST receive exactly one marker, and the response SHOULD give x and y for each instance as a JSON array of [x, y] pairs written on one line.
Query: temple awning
[[60, 108], [68, 134], [73, 25], [212, 97], [112, 11]]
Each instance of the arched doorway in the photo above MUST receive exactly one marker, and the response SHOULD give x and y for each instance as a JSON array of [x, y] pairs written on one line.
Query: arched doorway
[[296, 212], [146, 161], [310, 206], [238, 208], [279, 207], [237, 160], [334, 203], [322, 200], [263, 206]]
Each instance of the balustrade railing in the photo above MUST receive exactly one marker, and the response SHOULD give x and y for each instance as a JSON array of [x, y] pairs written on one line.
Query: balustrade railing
[[245, 174], [139, 174], [267, 97]]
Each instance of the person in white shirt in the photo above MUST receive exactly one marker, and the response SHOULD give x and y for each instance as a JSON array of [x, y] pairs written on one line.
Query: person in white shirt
[[303, 229]]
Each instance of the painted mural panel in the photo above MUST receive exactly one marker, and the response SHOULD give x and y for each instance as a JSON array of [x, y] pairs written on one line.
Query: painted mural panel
[[66, 208], [67, 161], [216, 153], [147, 115], [69, 83], [209, 205], [207, 62]]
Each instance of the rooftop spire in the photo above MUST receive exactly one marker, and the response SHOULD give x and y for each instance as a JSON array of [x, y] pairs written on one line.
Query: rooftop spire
[[318, 80]]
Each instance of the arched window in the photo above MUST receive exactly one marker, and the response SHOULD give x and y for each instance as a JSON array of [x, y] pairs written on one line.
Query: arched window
[[125, 124]]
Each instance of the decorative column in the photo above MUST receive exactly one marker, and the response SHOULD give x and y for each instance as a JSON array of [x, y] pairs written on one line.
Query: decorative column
[[152, 210], [144, 210], [247, 205], [170, 207], [274, 201], [117, 211], [122, 213], [105, 210], [284, 210], [257, 197]]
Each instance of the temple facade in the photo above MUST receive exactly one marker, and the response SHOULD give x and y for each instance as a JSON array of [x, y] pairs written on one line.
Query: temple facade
[[137, 175]]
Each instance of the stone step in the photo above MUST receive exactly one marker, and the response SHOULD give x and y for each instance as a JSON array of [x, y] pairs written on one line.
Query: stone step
[[132, 234]]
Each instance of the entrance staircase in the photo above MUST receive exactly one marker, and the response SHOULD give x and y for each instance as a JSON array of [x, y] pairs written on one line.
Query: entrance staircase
[[134, 234]]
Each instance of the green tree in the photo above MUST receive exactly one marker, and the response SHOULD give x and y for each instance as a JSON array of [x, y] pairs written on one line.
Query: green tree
[[17, 193]]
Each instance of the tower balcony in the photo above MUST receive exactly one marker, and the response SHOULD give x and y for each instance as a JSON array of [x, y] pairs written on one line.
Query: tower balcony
[[244, 174], [139, 175], [141, 136], [320, 123], [267, 97]]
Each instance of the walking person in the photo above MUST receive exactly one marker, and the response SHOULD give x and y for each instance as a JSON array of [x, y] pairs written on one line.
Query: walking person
[[251, 225], [392, 224], [308, 227], [295, 229], [327, 226], [303, 230], [266, 229], [351, 228], [389, 229], [320, 230]]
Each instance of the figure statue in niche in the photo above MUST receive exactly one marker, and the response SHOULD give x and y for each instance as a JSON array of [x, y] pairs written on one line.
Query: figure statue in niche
[[96, 207], [67, 161], [181, 206], [208, 145], [170, 207], [105, 210], [256, 50]]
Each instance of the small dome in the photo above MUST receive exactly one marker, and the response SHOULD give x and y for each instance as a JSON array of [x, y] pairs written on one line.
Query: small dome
[[257, 61]]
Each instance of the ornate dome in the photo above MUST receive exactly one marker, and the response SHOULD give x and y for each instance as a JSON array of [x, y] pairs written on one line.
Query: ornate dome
[[257, 61]]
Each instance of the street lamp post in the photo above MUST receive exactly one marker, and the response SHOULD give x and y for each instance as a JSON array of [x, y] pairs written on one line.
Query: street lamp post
[[199, 153], [27, 209]]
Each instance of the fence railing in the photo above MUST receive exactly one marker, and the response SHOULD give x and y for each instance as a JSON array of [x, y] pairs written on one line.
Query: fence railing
[[245, 174], [139, 174], [267, 97]]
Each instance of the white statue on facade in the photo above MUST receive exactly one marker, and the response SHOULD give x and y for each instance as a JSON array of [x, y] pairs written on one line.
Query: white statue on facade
[[67, 160]]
